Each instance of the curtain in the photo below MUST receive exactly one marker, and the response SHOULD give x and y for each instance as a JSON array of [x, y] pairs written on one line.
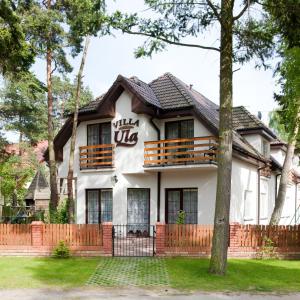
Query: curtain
[[190, 205], [173, 206], [106, 206], [93, 207]]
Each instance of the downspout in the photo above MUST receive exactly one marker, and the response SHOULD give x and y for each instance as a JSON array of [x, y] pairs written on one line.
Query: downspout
[[158, 173]]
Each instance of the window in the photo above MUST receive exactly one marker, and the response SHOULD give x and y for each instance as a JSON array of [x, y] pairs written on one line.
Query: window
[[179, 129], [98, 206], [182, 199], [248, 213], [99, 133], [265, 148], [138, 210], [264, 195]]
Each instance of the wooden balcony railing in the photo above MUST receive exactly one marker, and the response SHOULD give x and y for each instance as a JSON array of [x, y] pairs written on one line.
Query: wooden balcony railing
[[96, 156], [195, 150]]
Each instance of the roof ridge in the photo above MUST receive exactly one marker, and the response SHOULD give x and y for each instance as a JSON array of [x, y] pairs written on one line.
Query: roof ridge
[[177, 82]]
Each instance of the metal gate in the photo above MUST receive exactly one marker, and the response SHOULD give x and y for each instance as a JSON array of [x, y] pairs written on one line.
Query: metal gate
[[134, 240]]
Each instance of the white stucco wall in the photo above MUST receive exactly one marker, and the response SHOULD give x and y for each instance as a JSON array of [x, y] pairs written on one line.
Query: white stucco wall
[[243, 184]]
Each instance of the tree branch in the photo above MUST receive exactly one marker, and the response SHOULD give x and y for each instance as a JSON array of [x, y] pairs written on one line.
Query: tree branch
[[242, 11], [214, 10], [172, 42]]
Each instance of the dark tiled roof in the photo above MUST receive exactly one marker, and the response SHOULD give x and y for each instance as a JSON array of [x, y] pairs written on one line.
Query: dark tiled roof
[[278, 142], [38, 183], [144, 90], [167, 92], [242, 120], [170, 92], [92, 106]]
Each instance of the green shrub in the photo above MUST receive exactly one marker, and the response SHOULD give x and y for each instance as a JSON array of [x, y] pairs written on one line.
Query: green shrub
[[61, 250], [181, 217], [268, 250], [60, 216]]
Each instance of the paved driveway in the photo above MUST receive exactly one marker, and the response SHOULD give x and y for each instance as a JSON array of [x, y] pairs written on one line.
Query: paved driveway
[[132, 294]]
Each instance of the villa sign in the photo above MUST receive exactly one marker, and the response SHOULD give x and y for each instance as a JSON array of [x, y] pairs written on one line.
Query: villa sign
[[123, 132]]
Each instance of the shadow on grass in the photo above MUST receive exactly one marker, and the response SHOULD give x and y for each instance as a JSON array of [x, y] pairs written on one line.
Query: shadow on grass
[[242, 275]]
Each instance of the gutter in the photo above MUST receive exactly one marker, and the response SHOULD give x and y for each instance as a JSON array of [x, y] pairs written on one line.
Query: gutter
[[158, 173]]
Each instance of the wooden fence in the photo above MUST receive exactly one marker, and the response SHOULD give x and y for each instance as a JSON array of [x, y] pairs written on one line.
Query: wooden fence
[[40, 239], [188, 238], [252, 237], [15, 234], [74, 235], [245, 240]]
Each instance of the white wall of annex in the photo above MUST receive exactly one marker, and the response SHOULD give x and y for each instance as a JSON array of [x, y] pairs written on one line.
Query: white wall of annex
[[244, 181]]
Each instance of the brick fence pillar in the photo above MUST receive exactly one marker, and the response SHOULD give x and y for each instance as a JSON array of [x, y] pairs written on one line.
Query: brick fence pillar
[[107, 238], [160, 238], [37, 233], [234, 242]]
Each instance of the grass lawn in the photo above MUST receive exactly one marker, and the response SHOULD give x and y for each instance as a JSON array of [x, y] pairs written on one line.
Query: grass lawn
[[242, 275], [184, 273], [23, 272]]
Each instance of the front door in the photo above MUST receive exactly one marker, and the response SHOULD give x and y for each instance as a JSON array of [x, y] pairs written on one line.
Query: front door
[[138, 212]]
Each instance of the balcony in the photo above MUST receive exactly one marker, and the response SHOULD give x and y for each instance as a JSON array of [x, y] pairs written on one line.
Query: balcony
[[96, 156], [180, 152]]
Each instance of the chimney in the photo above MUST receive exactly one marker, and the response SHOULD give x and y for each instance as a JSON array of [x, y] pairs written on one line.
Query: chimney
[[191, 86], [259, 115]]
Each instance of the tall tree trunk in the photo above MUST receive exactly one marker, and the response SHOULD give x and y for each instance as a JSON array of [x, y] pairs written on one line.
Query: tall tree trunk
[[52, 162], [73, 137], [284, 179], [218, 261]]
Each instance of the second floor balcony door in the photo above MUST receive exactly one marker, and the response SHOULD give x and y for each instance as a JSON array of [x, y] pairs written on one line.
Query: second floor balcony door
[[100, 134], [182, 129]]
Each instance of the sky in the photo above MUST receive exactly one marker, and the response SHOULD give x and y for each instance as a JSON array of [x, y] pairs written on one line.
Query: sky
[[113, 55]]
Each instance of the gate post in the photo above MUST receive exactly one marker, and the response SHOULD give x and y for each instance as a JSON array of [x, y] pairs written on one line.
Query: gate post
[[37, 233], [107, 238], [234, 242], [160, 238]]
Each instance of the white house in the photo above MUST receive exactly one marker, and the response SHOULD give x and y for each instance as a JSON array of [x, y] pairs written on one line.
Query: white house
[[146, 151]]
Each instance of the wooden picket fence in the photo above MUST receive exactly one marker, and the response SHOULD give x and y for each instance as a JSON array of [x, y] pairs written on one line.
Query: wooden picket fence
[[73, 235], [15, 234], [285, 238], [191, 239], [40, 239], [188, 238]]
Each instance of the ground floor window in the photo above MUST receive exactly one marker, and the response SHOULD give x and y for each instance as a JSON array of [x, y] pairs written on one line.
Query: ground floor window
[[184, 199], [138, 211], [98, 206]]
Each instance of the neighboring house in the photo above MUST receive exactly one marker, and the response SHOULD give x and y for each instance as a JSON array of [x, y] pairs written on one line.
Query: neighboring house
[[38, 193], [145, 151]]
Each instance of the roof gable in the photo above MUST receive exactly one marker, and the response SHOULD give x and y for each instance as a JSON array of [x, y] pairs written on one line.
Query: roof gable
[[162, 96], [243, 120]]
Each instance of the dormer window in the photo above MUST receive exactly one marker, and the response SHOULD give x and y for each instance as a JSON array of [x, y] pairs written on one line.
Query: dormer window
[[265, 148]]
